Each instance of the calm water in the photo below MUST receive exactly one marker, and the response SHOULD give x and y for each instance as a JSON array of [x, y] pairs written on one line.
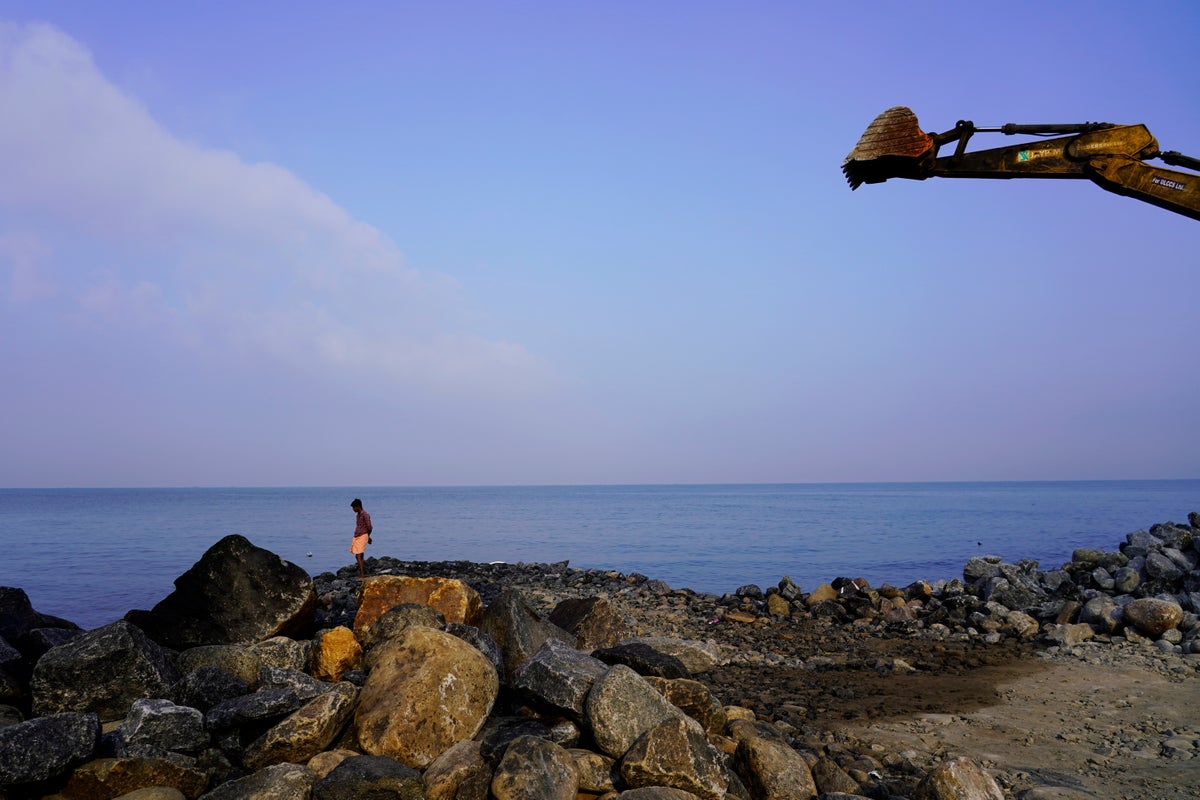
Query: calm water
[[90, 555]]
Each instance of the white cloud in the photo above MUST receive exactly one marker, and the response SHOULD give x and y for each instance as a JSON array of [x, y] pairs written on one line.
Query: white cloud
[[25, 252], [224, 250]]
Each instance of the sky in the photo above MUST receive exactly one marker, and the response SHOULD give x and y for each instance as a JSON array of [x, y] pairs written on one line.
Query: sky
[[497, 243]]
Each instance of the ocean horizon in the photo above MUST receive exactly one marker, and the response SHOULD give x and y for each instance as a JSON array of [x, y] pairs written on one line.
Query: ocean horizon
[[91, 554]]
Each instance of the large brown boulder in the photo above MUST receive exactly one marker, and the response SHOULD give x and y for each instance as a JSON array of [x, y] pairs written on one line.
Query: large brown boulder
[[459, 773], [427, 691], [593, 620], [694, 699], [236, 593], [113, 777], [1153, 617], [334, 653], [455, 600], [675, 753], [306, 732]]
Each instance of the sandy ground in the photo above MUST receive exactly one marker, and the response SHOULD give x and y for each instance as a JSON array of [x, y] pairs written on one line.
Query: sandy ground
[[1105, 731], [1101, 722]]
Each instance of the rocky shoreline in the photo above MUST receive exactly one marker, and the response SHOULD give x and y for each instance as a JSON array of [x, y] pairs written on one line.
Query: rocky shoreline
[[508, 681]]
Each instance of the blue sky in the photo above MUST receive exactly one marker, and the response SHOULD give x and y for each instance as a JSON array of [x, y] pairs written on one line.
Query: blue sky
[[538, 243]]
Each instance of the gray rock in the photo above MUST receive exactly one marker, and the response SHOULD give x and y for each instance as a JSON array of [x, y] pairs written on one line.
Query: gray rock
[[697, 656], [14, 675], [643, 659], [1185, 561], [280, 782], [1088, 555], [788, 589], [237, 660], [1054, 580], [1139, 543], [500, 731], [18, 618], [621, 707], [10, 716], [46, 747], [535, 769], [282, 652], [235, 594], [39, 640], [518, 630], [154, 793], [1173, 536], [162, 724], [1159, 567], [368, 777], [1101, 613], [980, 569], [264, 706], [1126, 579], [104, 671], [208, 686], [480, 641], [1017, 596], [302, 684], [1191, 600], [1101, 579], [559, 676]]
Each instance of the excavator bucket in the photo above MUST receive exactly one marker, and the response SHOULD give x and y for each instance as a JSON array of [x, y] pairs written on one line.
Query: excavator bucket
[[893, 146]]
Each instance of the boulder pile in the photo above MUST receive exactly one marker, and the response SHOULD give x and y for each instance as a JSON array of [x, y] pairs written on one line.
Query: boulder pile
[[454, 681], [1146, 591]]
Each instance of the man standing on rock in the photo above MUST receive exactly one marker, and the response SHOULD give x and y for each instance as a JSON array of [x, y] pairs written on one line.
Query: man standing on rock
[[362, 534]]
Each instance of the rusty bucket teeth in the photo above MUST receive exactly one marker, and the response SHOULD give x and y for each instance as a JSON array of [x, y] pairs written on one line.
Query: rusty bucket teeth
[[890, 147]]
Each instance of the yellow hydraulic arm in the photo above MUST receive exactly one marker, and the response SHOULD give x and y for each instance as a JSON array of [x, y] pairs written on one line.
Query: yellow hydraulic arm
[[1112, 156]]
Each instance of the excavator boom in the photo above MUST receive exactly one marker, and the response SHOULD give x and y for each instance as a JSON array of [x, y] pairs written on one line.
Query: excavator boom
[[1112, 156]]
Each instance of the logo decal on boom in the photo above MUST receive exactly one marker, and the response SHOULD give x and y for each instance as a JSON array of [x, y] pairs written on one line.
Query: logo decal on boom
[[1178, 186]]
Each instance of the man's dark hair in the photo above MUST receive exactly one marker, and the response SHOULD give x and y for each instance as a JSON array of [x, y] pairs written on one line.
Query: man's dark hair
[[356, 503]]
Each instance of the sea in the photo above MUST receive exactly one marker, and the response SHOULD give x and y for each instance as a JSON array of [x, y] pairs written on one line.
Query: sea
[[91, 555]]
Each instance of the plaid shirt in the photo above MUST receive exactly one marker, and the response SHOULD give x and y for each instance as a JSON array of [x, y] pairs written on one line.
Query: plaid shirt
[[362, 523]]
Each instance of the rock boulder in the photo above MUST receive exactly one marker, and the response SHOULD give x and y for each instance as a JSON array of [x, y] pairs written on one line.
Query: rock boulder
[[427, 691], [104, 671], [235, 594]]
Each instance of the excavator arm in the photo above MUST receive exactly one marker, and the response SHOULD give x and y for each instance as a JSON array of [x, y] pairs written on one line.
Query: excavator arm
[[1112, 156]]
